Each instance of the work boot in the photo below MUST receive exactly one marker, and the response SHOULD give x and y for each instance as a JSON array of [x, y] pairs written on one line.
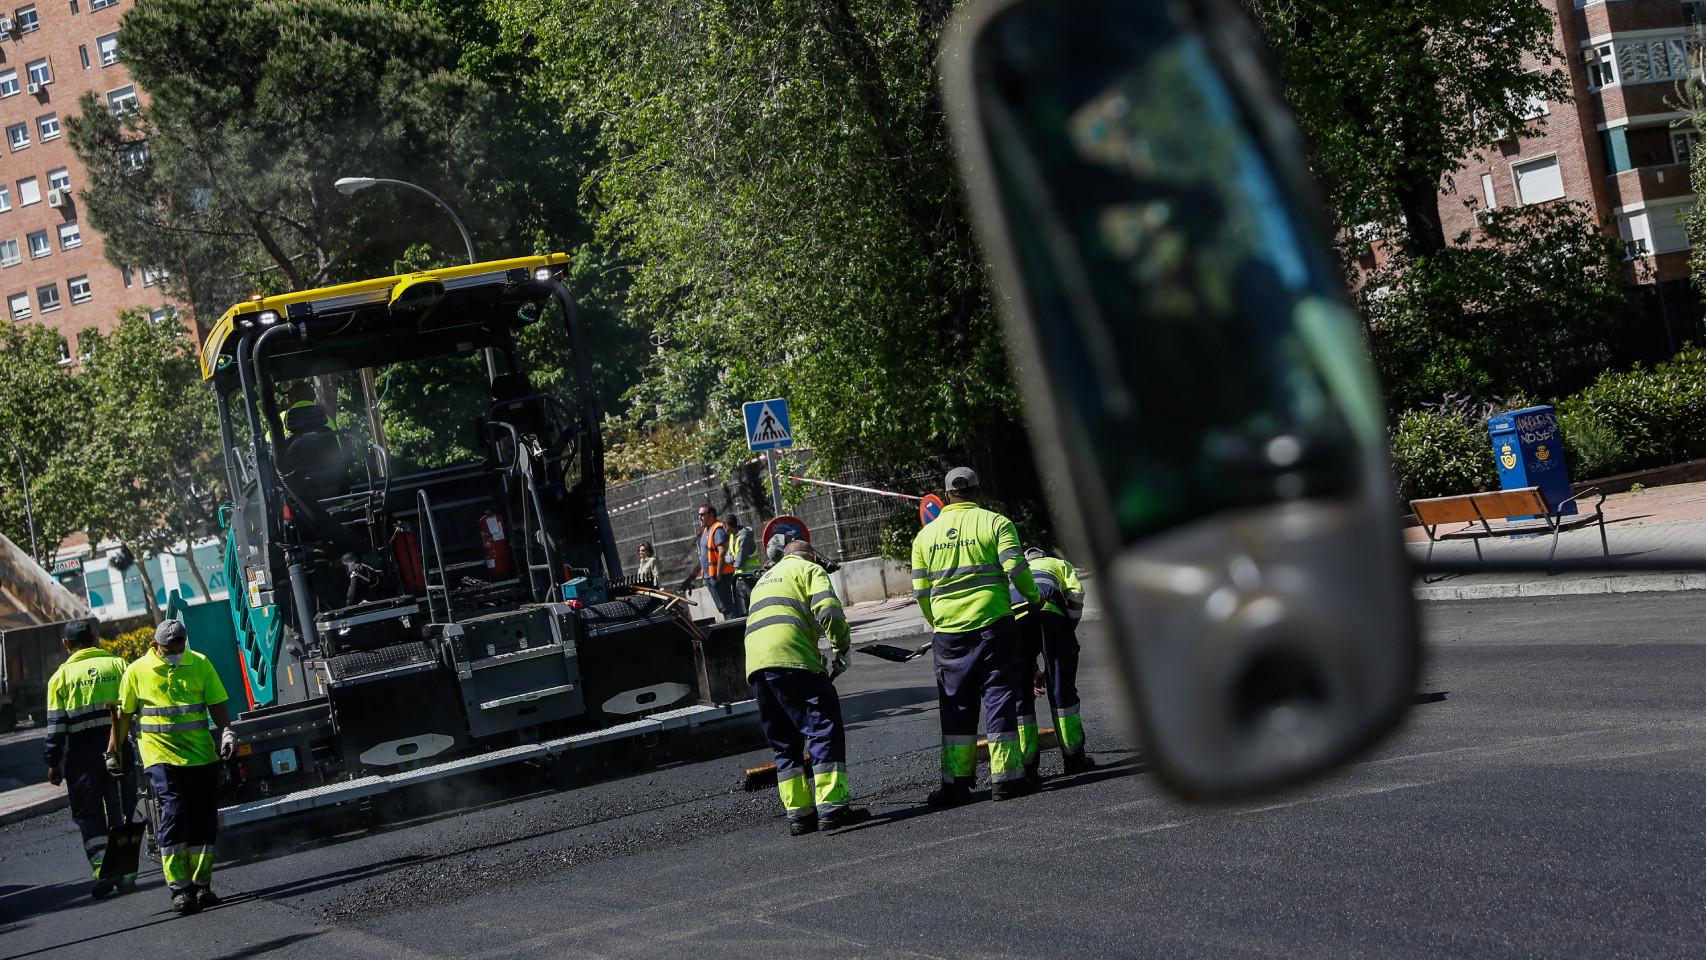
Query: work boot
[[102, 889], [184, 902], [1077, 763], [1012, 789], [949, 795], [205, 899], [845, 817], [1034, 773], [127, 884], [802, 826]]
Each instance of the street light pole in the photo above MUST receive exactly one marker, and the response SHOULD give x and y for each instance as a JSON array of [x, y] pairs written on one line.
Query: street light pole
[[349, 185], [29, 510]]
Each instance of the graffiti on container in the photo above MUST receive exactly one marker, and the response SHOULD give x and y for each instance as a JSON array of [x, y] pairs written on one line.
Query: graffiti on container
[[1537, 427]]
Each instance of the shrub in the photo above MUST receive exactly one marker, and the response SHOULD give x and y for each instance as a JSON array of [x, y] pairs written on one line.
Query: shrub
[[1641, 418], [131, 644], [1441, 452], [1592, 448]]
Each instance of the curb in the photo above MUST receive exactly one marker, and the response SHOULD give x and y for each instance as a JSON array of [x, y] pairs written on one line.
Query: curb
[[1660, 583], [34, 808]]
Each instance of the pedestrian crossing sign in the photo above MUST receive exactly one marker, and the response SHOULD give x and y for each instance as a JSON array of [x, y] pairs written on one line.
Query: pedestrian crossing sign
[[767, 425]]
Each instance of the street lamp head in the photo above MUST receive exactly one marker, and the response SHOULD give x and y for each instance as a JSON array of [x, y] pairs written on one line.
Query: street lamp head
[[347, 185]]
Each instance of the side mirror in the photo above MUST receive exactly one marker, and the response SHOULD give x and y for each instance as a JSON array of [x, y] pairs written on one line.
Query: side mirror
[[1197, 388]]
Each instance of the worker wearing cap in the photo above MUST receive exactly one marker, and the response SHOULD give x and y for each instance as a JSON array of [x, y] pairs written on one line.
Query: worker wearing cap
[[963, 564], [172, 692], [1051, 631], [793, 607], [81, 696]]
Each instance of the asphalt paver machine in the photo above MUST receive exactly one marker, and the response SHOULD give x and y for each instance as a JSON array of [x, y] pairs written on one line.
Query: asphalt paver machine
[[405, 617]]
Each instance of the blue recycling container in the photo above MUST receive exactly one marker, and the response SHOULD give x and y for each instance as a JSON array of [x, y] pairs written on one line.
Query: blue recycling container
[[1529, 450]]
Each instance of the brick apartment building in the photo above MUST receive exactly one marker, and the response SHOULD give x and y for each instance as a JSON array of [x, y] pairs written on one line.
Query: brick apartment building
[[53, 267], [1614, 145]]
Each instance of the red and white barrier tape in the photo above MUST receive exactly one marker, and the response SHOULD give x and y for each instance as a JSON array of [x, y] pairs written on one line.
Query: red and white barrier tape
[[712, 478], [849, 486]]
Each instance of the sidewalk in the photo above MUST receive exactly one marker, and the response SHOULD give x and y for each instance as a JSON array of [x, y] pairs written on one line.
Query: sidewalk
[[1653, 524], [24, 790]]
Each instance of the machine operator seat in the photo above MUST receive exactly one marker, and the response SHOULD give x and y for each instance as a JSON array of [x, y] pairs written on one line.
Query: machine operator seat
[[313, 454]]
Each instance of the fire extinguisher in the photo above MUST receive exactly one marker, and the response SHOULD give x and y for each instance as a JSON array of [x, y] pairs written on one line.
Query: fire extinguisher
[[494, 542], [406, 550]]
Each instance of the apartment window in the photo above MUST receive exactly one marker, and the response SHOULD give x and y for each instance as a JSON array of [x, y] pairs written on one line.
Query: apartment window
[[1602, 67], [74, 7], [39, 245], [122, 100], [48, 127], [64, 353], [5, 199], [136, 156], [1682, 146], [70, 236], [79, 287], [107, 46], [1538, 181], [83, 54], [9, 252], [48, 297], [1487, 191], [59, 179], [160, 315], [18, 136], [152, 275], [124, 271], [8, 83], [28, 20], [19, 303], [29, 191], [102, 4], [39, 73]]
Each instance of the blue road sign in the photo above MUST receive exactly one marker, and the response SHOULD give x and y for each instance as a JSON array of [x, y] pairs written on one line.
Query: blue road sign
[[767, 426]]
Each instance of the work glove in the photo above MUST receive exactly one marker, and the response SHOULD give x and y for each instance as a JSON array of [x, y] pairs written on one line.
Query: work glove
[[685, 586], [115, 763], [227, 744], [840, 664], [53, 776]]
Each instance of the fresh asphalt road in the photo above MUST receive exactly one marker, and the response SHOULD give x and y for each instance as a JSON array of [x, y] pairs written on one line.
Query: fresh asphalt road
[[1549, 805]]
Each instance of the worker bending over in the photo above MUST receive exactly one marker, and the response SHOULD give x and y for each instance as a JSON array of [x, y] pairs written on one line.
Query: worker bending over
[[81, 696], [793, 605], [1051, 631], [172, 692], [962, 565]]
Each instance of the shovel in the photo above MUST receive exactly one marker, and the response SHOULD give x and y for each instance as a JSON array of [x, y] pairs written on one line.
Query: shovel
[[892, 653]]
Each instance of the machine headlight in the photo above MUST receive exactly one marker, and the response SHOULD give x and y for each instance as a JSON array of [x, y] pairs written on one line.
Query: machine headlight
[[268, 317], [542, 274]]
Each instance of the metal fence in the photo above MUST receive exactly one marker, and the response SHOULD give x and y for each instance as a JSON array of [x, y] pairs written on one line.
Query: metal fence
[[845, 524]]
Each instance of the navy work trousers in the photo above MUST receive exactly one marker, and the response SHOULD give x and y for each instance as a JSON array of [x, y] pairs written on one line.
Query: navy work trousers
[[188, 799], [801, 716], [979, 667], [100, 803]]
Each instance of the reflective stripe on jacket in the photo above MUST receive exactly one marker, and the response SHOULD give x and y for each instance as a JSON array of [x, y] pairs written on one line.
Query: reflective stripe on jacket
[[714, 559], [171, 708], [80, 696], [962, 564], [793, 606], [1070, 592]]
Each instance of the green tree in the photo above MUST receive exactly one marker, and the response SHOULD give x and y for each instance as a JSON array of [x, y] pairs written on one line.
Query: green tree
[[1394, 93], [42, 411], [225, 177], [1532, 307], [778, 178], [151, 453]]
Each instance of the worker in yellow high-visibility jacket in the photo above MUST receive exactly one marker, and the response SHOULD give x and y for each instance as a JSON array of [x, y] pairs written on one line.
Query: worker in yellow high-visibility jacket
[[81, 696], [793, 607], [173, 693], [963, 563], [1051, 631]]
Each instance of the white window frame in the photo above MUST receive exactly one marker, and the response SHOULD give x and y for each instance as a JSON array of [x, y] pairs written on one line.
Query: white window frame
[[14, 143], [9, 83], [59, 178], [1516, 177], [72, 284], [13, 302], [46, 305], [24, 192], [106, 49], [46, 243], [5, 199], [32, 23], [64, 353], [122, 104], [1603, 73], [101, 4], [10, 246], [48, 128], [72, 230], [45, 70]]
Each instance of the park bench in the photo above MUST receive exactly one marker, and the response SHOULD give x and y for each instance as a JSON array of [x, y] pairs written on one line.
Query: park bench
[[1494, 515]]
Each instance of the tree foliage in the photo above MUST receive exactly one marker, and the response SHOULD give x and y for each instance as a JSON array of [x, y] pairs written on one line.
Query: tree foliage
[[1393, 94], [1533, 306], [778, 177], [43, 421]]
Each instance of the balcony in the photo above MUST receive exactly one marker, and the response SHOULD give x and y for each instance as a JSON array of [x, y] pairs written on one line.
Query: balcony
[[1624, 15], [1665, 181]]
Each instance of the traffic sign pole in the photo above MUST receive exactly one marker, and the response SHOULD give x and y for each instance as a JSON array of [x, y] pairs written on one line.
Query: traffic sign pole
[[775, 485]]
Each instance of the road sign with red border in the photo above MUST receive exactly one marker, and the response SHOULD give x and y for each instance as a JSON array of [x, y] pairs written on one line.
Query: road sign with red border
[[793, 526], [929, 509]]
